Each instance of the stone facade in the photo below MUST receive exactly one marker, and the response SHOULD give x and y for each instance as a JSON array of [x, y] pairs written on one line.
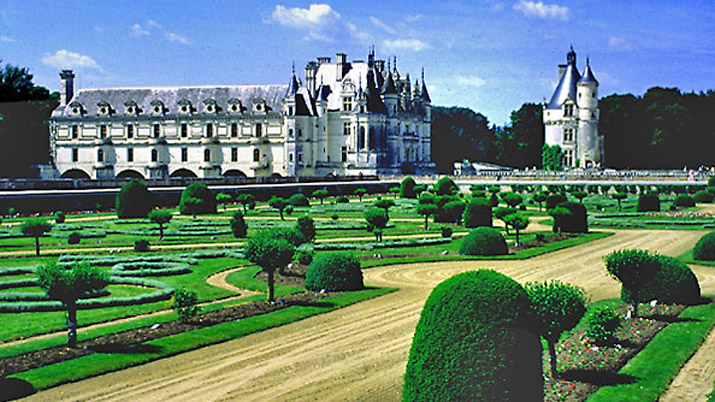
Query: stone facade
[[349, 118], [571, 116]]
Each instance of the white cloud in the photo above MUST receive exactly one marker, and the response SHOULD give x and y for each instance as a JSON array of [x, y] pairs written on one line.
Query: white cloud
[[153, 24], [413, 18], [469, 80], [172, 37], [379, 24], [541, 10], [6, 39], [65, 59], [618, 43], [414, 45], [136, 30], [319, 22]]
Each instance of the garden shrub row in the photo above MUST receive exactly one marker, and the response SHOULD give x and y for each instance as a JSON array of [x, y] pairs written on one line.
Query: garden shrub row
[[41, 296], [385, 244], [18, 270], [141, 269]]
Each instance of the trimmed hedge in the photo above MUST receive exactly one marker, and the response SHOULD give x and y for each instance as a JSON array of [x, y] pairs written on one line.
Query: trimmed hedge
[[334, 272], [674, 282], [472, 343], [298, 200], [484, 241], [134, 200], [575, 222], [407, 188], [684, 201], [704, 249], [703, 196], [445, 186], [141, 269], [478, 212], [202, 192], [648, 203], [383, 244], [553, 200]]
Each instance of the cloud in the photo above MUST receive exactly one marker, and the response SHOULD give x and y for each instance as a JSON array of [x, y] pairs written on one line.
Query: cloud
[[136, 30], [319, 22], [618, 43], [172, 37], [65, 59], [153, 24], [469, 80], [414, 45], [541, 10], [379, 24], [6, 39], [413, 18]]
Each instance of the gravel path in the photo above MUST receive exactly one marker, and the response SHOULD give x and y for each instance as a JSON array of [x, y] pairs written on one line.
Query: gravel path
[[358, 352]]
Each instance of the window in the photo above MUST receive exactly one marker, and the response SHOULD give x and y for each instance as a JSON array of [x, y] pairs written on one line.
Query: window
[[290, 157], [300, 133], [184, 130], [130, 131], [290, 110], [157, 130], [300, 157], [75, 132], [256, 155], [102, 131], [234, 130], [346, 128], [568, 157], [234, 154], [209, 130], [184, 154], [154, 155], [568, 134], [130, 154], [75, 155], [362, 109], [259, 130], [290, 132], [568, 110], [347, 103], [207, 155], [344, 154], [361, 139], [100, 155]]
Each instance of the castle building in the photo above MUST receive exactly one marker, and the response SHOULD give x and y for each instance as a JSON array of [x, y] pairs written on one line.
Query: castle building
[[348, 118], [571, 116]]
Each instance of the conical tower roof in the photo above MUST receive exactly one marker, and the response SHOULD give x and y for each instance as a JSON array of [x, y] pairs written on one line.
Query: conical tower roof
[[389, 87], [588, 75]]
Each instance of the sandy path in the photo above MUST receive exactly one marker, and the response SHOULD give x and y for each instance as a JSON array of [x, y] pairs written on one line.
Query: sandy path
[[355, 353]]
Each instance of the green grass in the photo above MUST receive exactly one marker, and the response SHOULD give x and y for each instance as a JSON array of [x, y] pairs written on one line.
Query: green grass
[[100, 363], [687, 257], [658, 363]]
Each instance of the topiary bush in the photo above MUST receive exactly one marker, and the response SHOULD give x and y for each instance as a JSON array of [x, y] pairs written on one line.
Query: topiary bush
[[59, 217], [238, 225], [705, 248], [141, 245], [407, 188], [298, 200], [478, 212], [602, 326], [483, 241], [334, 271], [446, 231], [197, 191], [74, 238], [445, 186], [342, 200], [674, 282], [134, 200], [303, 257], [554, 199], [648, 203], [473, 343], [573, 222], [306, 229], [703, 196], [684, 201]]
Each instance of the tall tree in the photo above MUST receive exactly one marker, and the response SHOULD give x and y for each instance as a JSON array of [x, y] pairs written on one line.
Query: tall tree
[[519, 144], [460, 133]]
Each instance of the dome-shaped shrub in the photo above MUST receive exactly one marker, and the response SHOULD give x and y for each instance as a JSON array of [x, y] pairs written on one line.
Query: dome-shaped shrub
[[478, 212], [298, 200], [705, 248], [703, 196], [554, 199], [575, 222], [334, 272], [445, 186], [483, 241], [684, 201], [471, 343], [202, 192], [674, 282], [134, 200], [407, 188], [648, 203]]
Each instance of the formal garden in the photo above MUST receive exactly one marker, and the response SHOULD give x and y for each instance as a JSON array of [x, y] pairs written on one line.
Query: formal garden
[[84, 293]]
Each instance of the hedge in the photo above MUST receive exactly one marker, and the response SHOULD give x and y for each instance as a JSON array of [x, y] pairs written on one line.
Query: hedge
[[483, 241], [384, 244], [134, 200], [202, 192], [298, 200], [674, 282], [648, 203], [478, 212], [684, 201], [334, 272], [704, 249], [575, 222]]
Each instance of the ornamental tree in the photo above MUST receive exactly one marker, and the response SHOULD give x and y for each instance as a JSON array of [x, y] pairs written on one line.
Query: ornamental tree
[[540, 198], [306, 228], [634, 269], [184, 302], [160, 217], [518, 222], [270, 253], [278, 203], [247, 201], [202, 192], [557, 307], [384, 204], [619, 197], [395, 190], [69, 285], [320, 194], [376, 219], [223, 199], [512, 199], [134, 200], [360, 192], [407, 188], [426, 210], [191, 206], [35, 227], [238, 225], [580, 195]]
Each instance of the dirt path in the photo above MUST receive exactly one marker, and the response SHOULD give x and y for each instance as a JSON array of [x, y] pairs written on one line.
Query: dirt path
[[355, 353]]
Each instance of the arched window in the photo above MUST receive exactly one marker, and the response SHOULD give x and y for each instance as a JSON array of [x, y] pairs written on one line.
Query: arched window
[[256, 155], [207, 155], [100, 155], [154, 155]]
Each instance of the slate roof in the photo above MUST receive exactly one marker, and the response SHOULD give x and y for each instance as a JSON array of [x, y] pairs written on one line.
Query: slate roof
[[566, 87], [588, 75]]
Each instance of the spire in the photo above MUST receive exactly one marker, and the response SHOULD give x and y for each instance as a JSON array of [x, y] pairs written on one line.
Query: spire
[[389, 86], [588, 75], [425, 95], [292, 84]]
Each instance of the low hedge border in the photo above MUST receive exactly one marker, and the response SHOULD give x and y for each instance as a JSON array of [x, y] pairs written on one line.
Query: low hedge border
[[385, 244]]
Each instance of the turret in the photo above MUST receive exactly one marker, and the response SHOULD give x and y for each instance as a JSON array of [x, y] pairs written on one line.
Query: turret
[[289, 102], [66, 86], [589, 142], [390, 96], [587, 89]]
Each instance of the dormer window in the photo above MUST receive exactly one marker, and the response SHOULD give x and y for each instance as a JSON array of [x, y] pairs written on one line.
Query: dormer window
[[568, 110], [157, 107], [347, 103], [259, 106], [184, 106], [235, 105], [131, 108], [210, 106], [234, 108], [76, 109], [104, 108]]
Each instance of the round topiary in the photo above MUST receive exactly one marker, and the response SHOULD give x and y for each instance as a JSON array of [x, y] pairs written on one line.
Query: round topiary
[[238, 225], [298, 200], [74, 238], [336, 271], [483, 241], [648, 203], [197, 191], [407, 188], [478, 212], [451, 212], [472, 343], [705, 248], [342, 199], [445, 186], [684, 201], [674, 282], [134, 200], [703, 196], [575, 221], [554, 199]]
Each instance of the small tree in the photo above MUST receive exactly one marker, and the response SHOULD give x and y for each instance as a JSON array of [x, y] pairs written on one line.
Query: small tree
[[306, 228], [419, 189], [134, 200], [184, 302], [360, 192], [619, 197], [270, 253], [559, 214], [35, 227], [557, 307], [223, 199], [202, 192], [59, 217], [192, 206], [634, 269], [512, 199], [246, 200], [518, 222], [407, 188], [69, 285], [160, 217], [540, 198], [426, 210], [445, 186], [238, 225], [580, 195], [384, 204], [320, 194], [377, 219], [501, 213], [395, 191], [278, 203]]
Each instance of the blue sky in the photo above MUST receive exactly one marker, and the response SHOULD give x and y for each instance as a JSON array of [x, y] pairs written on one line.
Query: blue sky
[[489, 55]]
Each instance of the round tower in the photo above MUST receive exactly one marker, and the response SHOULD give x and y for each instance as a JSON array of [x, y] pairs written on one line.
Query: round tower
[[589, 143]]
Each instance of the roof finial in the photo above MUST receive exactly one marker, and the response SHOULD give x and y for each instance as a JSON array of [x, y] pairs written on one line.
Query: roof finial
[[587, 60], [423, 74], [395, 63], [293, 68]]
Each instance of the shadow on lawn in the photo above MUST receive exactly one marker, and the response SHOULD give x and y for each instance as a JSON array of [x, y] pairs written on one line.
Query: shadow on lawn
[[14, 388], [127, 349], [670, 319], [597, 377]]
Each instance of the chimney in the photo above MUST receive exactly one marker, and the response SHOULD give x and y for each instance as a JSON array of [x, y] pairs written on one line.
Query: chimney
[[66, 86], [323, 60], [310, 71], [562, 68], [341, 61]]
